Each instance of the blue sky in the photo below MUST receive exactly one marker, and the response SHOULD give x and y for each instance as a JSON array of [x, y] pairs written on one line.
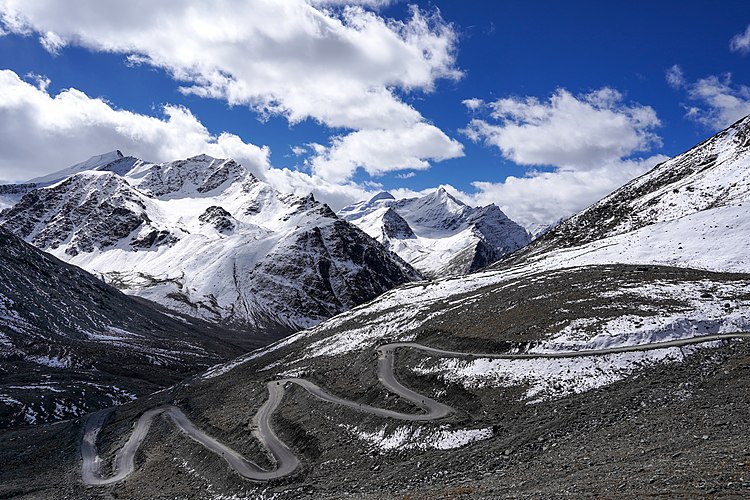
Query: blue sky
[[568, 99]]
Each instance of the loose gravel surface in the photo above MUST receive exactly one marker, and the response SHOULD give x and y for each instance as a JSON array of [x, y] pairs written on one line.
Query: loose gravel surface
[[672, 430]]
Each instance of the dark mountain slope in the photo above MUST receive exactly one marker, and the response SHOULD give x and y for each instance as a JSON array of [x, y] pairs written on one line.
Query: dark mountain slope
[[70, 344]]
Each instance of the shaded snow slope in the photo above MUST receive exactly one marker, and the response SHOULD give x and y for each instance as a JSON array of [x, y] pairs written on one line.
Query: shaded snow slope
[[437, 233], [94, 163], [205, 237]]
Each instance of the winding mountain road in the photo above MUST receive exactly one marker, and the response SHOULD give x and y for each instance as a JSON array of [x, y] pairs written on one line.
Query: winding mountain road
[[285, 460]]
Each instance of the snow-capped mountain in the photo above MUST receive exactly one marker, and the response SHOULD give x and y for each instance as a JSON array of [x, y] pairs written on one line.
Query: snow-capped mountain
[[690, 211], [70, 344], [532, 368], [436, 233], [205, 237]]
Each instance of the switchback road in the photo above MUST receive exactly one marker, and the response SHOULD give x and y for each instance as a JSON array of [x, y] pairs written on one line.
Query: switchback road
[[285, 460]]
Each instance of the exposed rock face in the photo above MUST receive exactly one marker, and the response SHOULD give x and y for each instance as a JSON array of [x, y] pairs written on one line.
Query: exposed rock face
[[218, 217], [87, 212], [395, 227], [437, 233], [205, 237]]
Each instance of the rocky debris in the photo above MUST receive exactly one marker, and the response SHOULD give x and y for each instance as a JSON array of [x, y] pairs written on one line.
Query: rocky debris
[[154, 238]]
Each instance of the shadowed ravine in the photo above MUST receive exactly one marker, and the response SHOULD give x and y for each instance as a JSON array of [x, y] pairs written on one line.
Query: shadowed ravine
[[286, 461]]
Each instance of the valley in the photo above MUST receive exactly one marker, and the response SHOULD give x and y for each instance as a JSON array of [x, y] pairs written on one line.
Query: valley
[[284, 459], [609, 354]]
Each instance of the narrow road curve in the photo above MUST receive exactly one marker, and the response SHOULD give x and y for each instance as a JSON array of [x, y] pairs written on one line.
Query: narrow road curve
[[285, 460]]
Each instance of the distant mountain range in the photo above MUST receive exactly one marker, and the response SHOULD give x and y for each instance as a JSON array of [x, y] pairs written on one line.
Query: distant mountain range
[[438, 234], [203, 236]]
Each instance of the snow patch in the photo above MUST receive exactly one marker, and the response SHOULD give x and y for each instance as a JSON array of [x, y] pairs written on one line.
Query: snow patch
[[407, 437]]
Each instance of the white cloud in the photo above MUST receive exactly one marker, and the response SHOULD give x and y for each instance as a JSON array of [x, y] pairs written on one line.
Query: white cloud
[[675, 77], [378, 151], [589, 140], [41, 81], [340, 65], [336, 195], [52, 42], [406, 175], [41, 133], [717, 102], [473, 104], [372, 4], [541, 198], [720, 102], [298, 150], [566, 131], [278, 57], [741, 42]]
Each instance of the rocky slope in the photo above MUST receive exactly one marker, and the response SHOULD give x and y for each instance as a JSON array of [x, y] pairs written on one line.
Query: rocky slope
[[515, 418], [436, 233], [70, 344], [204, 237]]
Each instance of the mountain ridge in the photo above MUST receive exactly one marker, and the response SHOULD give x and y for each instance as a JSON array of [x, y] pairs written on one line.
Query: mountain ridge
[[691, 210], [278, 261], [437, 233]]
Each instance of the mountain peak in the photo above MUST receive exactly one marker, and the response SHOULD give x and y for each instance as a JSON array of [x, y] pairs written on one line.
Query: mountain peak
[[203, 157], [383, 195], [437, 233], [96, 162], [443, 196]]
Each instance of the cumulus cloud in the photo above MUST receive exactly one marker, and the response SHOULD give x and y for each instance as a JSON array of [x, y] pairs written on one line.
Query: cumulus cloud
[[741, 42], [473, 104], [340, 65], [378, 151], [589, 140], [567, 131], [298, 150], [721, 102], [716, 101], [336, 195], [542, 198], [40, 133]]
